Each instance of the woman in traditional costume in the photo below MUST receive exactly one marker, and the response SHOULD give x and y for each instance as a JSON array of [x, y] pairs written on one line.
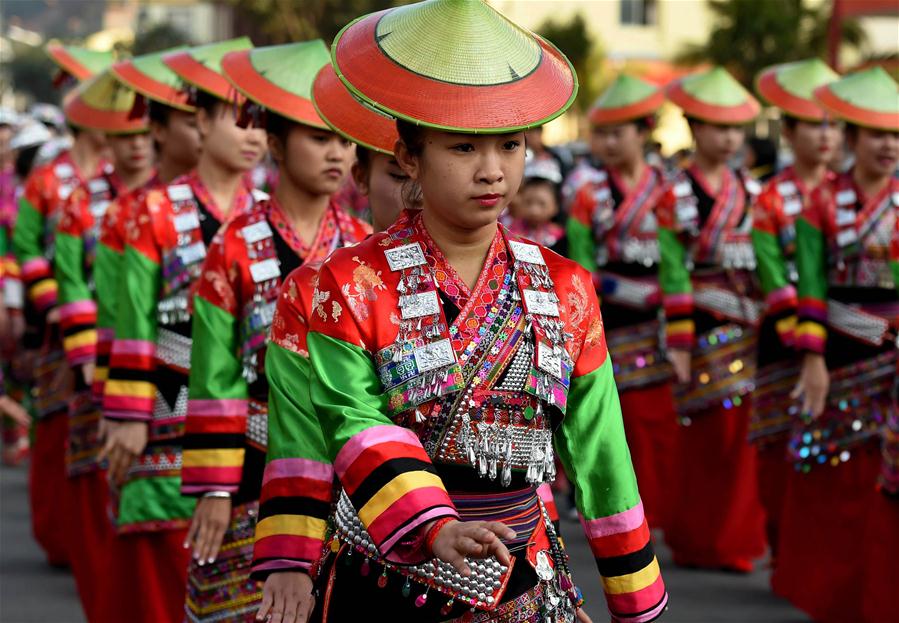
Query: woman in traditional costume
[[101, 104], [838, 543], [226, 432], [448, 358], [612, 233], [145, 398], [40, 209], [706, 277], [814, 139]]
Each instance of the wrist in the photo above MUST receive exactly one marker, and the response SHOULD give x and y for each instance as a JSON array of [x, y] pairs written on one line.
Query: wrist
[[222, 495], [432, 532]]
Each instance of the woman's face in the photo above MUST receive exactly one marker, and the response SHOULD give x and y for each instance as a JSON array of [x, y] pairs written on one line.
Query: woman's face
[[382, 181], [232, 147], [466, 180], [536, 203], [314, 160], [814, 143], [132, 154], [876, 151], [717, 143], [618, 145], [178, 139]]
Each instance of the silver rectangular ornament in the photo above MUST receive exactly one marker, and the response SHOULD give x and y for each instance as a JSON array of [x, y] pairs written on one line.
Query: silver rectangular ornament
[[192, 253], [179, 192], [406, 256], [418, 305], [265, 270], [548, 360], [256, 232], [434, 355], [187, 221], [525, 252], [537, 302]]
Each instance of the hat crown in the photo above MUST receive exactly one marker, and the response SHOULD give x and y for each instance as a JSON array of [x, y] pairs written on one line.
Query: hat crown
[[801, 78], [464, 42], [151, 65], [871, 89], [624, 91], [103, 92], [210, 55], [716, 87], [292, 66]]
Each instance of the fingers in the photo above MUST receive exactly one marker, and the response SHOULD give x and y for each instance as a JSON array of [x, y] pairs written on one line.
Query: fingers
[[798, 390], [215, 542], [265, 605], [498, 549], [304, 611], [278, 609], [500, 529], [192, 533], [202, 539]]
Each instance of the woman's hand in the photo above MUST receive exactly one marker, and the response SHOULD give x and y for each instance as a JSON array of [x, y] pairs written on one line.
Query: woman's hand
[[14, 411], [87, 372], [211, 518], [813, 384], [476, 539], [680, 361], [124, 442], [286, 598], [582, 616]]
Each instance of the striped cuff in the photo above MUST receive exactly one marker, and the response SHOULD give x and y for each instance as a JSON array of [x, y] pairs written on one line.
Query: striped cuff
[[632, 581], [780, 300], [680, 334], [124, 398], [78, 322], [44, 294], [394, 488], [293, 511], [811, 330], [214, 441]]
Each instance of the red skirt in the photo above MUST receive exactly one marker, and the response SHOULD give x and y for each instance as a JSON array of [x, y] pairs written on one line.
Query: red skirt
[[650, 423], [47, 482], [148, 582], [881, 553], [719, 522], [774, 470], [820, 566], [92, 537]]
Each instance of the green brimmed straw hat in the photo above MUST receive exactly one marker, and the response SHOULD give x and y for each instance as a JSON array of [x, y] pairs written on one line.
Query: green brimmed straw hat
[[153, 79], [790, 86], [201, 67], [714, 96], [350, 117], [627, 98], [80, 63], [868, 98], [455, 65], [279, 78], [103, 103]]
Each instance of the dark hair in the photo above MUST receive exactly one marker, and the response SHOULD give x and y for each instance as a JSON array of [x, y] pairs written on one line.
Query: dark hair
[[363, 157], [765, 151], [790, 122], [158, 112], [850, 131], [556, 190], [412, 135], [74, 130], [278, 125], [25, 160], [208, 102]]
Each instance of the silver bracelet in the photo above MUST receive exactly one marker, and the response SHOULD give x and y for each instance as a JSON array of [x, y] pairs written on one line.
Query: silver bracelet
[[217, 494]]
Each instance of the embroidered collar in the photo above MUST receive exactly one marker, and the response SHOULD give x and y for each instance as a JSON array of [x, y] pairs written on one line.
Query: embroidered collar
[[242, 195], [330, 235]]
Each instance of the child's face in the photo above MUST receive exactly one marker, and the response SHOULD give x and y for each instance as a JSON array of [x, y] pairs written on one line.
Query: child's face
[[536, 203]]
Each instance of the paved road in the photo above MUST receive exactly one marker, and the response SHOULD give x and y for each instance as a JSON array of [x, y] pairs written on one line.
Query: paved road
[[31, 592]]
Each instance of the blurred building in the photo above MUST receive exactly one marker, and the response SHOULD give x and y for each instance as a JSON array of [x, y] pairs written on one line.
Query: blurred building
[[203, 21]]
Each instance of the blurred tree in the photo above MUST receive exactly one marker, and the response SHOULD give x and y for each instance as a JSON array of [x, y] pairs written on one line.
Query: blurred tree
[[269, 22], [749, 35], [573, 38], [31, 72], [158, 37]]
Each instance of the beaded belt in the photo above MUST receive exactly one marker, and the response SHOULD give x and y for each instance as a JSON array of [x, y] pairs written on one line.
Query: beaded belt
[[630, 292], [53, 383], [722, 371], [257, 424], [723, 302], [773, 410], [173, 349], [637, 358], [482, 589], [860, 403]]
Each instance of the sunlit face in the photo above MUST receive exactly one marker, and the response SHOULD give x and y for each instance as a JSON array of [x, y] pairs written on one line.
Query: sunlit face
[[466, 180], [536, 203], [314, 160], [876, 151], [618, 145], [230, 146], [178, 139], [814, 143], [132, 154], [382, 181], [717, 143]]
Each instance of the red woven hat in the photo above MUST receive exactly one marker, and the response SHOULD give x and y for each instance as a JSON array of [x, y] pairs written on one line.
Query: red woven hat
[[790, 87], [78, 62], [714, 96], [454, 65], [103, 103], [626, 99], [280, 77], [152, 78], [349, 116], [868, 98], [201, 67]]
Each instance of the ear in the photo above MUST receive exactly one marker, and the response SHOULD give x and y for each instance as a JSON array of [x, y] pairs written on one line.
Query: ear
[[204, 123], [360, 177], [275, 148], [158, 132], [408, 163]]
